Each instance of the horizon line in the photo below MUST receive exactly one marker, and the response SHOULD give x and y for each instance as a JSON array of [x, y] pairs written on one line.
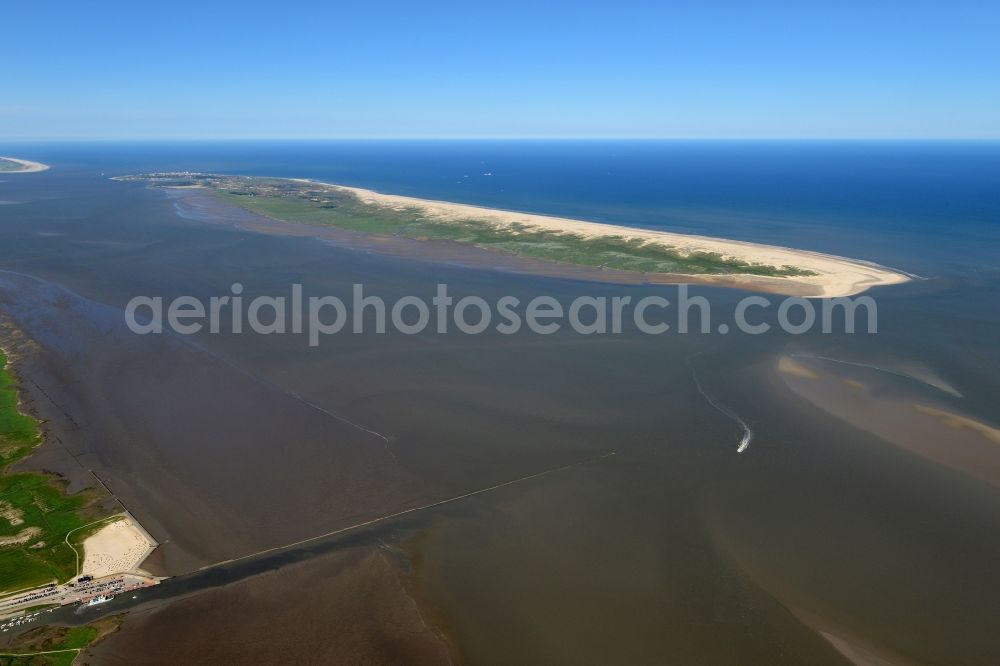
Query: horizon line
[[503, 138]]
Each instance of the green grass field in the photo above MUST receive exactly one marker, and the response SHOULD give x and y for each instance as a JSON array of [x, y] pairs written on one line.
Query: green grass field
[[64, 642], [35, 512], [304, 202], [18, 432]]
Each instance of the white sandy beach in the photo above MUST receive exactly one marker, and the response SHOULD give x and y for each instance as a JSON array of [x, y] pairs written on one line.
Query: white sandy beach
[[27, 166], [120, 546], [834, 276]]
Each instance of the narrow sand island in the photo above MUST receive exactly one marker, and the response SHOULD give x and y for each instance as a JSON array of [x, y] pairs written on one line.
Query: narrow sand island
[[655, 256], [832, 275], [15, 165]]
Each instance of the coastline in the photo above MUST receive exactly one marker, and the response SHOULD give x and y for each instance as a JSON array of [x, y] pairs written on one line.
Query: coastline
[[111, 558], [27, 166], [834, 276], [528, 242], [203, 204]]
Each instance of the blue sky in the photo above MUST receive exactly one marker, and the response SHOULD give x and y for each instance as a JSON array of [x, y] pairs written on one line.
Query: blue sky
[[460, 69]]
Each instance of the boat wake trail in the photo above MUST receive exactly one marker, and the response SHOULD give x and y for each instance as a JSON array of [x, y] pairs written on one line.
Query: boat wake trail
[[747, 432]]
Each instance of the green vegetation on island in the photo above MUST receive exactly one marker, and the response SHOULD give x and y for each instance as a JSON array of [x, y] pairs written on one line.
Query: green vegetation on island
[[314, 203], [9, 165], [36, 514]]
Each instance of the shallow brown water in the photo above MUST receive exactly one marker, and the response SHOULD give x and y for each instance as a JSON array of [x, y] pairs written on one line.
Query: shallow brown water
[[675, 550], [347, 608]]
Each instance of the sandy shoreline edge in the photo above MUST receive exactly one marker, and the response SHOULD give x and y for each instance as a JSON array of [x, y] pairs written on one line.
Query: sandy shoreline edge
[[834, 276], [27, 166]]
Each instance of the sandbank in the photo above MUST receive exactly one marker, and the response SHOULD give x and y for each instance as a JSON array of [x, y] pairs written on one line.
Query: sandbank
[[27, 166]]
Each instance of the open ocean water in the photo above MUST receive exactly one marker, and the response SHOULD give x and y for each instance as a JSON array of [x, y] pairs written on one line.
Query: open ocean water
[[929, 206]]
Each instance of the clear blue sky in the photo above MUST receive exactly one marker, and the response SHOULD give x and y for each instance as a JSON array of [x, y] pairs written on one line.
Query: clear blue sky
[[701, 68]]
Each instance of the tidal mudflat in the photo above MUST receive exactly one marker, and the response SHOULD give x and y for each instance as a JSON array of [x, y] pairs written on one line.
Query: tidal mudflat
[[348, 607]]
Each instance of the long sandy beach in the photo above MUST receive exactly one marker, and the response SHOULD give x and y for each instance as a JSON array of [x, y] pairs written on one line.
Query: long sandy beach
[[833, 276]]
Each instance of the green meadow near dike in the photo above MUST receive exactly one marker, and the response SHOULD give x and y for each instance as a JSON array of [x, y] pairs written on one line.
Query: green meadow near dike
[[36, 514], [53, 645], [313, 203]]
